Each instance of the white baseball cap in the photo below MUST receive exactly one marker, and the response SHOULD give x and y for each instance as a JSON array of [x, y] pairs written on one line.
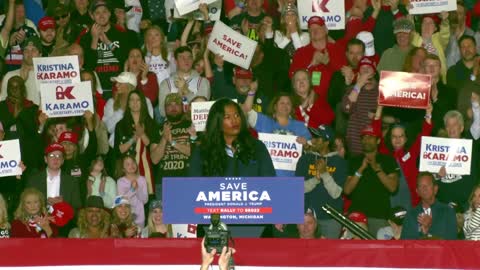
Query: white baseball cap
[[367, 39], [126, 77]]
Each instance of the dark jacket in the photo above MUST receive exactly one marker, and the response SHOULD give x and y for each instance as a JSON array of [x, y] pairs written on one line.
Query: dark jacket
[[69, 189], [444, 223]]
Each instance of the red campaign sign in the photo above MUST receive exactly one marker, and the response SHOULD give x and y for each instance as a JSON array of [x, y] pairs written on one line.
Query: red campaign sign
[[403, 89]]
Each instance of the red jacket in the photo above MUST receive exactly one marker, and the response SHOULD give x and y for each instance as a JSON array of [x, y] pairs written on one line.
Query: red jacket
[[303, 57], [407, 158], [150, 89], [22, 230], [100, 104], [319, 114]]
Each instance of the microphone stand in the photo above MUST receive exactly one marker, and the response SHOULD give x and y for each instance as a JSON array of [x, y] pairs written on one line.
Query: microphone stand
[[350, 225]]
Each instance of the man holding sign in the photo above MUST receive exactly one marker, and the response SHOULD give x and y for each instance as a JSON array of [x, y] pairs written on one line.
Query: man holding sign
[[455, 187]]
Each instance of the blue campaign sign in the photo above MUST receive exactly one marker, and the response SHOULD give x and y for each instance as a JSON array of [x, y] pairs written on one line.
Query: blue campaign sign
[[238, 200]]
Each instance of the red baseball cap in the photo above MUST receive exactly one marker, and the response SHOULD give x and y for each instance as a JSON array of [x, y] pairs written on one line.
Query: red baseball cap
[[434, 17], [62, 213], [370, 131], [316, 20], [367, 61], [68, 136], [46, 23], [358, 217], [241, 73], [54, 147], [208, 29]]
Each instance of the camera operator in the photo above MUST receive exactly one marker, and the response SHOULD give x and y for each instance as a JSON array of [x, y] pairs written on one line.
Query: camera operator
[[223, 260]]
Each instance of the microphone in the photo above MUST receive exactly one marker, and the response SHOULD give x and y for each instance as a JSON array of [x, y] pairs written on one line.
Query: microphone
[[237, 146]]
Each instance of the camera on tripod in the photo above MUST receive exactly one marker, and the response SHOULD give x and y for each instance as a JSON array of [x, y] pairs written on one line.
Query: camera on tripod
[[216, 235]]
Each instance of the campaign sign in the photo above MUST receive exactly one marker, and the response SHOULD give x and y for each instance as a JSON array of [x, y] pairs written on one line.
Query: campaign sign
[[431, 6], [57, 70], [10, 158], [187, 6], [233, 46], [404, 89], [214, 11], [238, 200], [332, 12], [284, 150], [66, 100], [184, 230], [454, 154], [200, 112]]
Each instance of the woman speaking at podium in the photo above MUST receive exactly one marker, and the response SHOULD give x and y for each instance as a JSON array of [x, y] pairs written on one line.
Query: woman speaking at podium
[[229, 150]]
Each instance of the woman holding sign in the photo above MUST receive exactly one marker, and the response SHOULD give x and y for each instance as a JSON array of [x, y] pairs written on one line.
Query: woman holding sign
[[396, 146], [280, 120], [434, 38]]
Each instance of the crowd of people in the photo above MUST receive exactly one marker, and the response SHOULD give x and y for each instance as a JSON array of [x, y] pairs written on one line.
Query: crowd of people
[[146, 67]]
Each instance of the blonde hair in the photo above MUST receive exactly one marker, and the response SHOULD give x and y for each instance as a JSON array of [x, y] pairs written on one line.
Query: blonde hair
[[151, 225], [163, 44], [83, 224], [116, 219], [20, 213], [3, 214]]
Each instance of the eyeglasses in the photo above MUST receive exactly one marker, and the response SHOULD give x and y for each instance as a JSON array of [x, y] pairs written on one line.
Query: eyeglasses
[[61, 17], [55, 155]]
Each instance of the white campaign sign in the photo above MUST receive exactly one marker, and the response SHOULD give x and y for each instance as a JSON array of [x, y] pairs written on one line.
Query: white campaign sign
[[59, 70], [233, 46], [214, 11], [184, 230], [187, 6], [454, 154], [10, 158], [284, 150], [332, 11], [200, 114], [66, 100], [431, 6]]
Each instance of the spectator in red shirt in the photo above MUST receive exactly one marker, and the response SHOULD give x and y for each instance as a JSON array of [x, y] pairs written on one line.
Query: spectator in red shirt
[[321, 57], [309, 108]]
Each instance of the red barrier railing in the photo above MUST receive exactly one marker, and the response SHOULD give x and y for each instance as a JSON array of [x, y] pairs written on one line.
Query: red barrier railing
[[253, 252]]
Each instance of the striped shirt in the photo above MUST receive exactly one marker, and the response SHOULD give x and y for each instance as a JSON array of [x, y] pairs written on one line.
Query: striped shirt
[[358, 111], [471, 227]]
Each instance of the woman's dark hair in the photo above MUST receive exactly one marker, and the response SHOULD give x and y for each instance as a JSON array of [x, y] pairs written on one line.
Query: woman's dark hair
[[104, 173], [213, 144], [138, 49], [388, 135], [271, 107], [127, 121], [144, 116]]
